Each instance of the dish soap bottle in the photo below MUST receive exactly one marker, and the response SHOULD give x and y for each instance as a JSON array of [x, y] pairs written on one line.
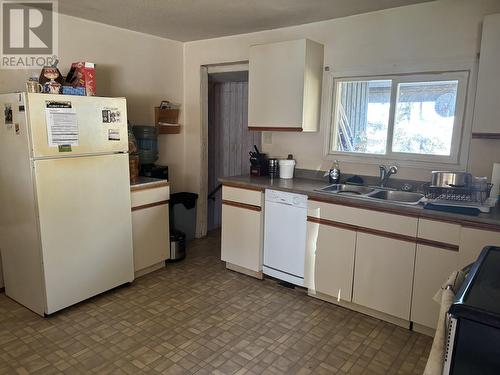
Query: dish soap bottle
[[334, 173]]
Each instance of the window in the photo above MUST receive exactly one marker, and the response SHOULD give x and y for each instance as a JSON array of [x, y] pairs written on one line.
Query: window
[[410, 117]]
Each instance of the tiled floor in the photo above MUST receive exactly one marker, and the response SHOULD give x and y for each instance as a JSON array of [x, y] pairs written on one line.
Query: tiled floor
[[196, 317]]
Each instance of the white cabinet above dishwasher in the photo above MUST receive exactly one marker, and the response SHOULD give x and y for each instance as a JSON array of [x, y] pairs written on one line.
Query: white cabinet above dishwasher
[[285, 226]]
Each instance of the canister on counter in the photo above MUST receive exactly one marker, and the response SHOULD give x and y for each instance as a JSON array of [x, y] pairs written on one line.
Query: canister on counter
[[274, 168]]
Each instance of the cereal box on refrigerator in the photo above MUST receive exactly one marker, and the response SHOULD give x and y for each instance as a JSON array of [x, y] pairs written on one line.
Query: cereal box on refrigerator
[[84, 76]]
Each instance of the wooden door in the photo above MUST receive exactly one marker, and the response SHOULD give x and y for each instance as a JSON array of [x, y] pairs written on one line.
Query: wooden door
[[229, 139]]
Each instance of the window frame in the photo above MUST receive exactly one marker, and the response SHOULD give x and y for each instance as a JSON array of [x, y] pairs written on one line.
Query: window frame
[[418, 160]]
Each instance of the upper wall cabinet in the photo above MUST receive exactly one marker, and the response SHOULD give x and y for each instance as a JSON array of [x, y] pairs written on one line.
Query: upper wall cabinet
[[284, 90], [487, 108]]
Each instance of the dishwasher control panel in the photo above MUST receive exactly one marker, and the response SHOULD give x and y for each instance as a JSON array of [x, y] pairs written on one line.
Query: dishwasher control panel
[[291, 199]]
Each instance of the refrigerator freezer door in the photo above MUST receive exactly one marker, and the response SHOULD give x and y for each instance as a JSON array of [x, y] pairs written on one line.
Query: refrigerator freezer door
[[90, 125], [85, 226]]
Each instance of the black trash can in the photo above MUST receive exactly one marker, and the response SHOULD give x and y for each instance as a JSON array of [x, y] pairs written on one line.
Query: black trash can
[[183, 213], [177, 245]]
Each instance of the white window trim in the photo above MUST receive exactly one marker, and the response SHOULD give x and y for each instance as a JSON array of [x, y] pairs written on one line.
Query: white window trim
[[459, 137]]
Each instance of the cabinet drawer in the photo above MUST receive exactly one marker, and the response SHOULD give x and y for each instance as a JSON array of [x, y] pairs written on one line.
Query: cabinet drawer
[[392, 223], [245, 196], [438, 231], [148, 196]]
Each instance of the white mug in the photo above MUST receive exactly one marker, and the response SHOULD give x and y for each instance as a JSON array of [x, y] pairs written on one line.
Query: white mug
[[33, 86]]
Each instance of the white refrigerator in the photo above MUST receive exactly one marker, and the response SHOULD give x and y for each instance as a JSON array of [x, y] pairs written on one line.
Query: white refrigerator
[[65, 213]]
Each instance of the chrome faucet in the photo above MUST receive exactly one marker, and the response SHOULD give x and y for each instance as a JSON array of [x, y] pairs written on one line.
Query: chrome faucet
[[385, 173]]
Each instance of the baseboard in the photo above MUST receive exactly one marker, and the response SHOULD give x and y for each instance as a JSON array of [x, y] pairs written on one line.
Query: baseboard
[[245, 271], [361, 309], [149, 269]]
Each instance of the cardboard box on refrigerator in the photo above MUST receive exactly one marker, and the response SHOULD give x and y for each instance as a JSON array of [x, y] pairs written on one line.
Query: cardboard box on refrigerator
[[84, 76]]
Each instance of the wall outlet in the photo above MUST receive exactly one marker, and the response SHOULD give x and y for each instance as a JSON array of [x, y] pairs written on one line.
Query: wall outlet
[[267, 138]]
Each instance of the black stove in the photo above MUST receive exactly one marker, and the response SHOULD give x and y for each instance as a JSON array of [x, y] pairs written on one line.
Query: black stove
[[474, 337]]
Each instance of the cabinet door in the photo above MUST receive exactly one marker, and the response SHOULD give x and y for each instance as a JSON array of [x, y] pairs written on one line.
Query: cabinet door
[[487, 110], [472, 242], [276, 84], [241, 242], [332, 260], [150, 232], [432, 267], [383, 275], [284, 89]]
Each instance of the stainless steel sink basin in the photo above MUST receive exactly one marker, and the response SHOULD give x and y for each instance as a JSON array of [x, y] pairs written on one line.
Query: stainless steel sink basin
[[374, 192], [347, 189], [397, 196]]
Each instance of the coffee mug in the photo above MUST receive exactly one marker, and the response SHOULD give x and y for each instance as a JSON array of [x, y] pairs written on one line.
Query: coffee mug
[[51, 87], [33, 86]]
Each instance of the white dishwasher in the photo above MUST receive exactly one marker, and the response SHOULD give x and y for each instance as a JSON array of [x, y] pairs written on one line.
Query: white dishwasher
[[285, 226]]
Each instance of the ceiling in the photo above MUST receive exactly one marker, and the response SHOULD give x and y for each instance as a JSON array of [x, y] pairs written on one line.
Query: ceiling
[[187, 20]]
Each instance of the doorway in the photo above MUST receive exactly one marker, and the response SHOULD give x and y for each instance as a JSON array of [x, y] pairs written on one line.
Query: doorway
[[229, 140]]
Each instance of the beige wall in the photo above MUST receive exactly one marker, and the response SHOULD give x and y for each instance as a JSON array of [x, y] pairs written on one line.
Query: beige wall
[[483, 153], [425, 37], [143, 68]]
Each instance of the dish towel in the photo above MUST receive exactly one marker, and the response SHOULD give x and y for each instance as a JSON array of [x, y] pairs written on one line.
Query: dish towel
[[444, 296]]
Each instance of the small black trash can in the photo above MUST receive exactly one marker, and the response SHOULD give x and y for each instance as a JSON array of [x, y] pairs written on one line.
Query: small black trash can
[[183, 213], [177, 245]]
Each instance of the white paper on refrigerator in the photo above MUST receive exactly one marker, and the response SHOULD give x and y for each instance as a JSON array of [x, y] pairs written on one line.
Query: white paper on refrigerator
[[62, 127]]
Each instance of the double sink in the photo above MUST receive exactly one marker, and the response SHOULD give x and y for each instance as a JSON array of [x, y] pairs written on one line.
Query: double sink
[[395, 196]]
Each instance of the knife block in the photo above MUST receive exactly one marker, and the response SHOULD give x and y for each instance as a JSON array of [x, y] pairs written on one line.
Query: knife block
[[261, 169]]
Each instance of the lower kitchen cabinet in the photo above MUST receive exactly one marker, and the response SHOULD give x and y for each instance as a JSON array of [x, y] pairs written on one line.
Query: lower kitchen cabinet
[[433, 266], [384, 264], [150, 236], [241, 241], [242, 230], [383, 276], [150, 226], [472, 242], [331, 250]]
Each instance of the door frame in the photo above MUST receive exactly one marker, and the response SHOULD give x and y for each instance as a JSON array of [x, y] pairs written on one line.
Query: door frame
[[205, 70]]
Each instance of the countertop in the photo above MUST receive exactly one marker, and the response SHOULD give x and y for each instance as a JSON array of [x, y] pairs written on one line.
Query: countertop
[[147, 183], [489, 221]]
